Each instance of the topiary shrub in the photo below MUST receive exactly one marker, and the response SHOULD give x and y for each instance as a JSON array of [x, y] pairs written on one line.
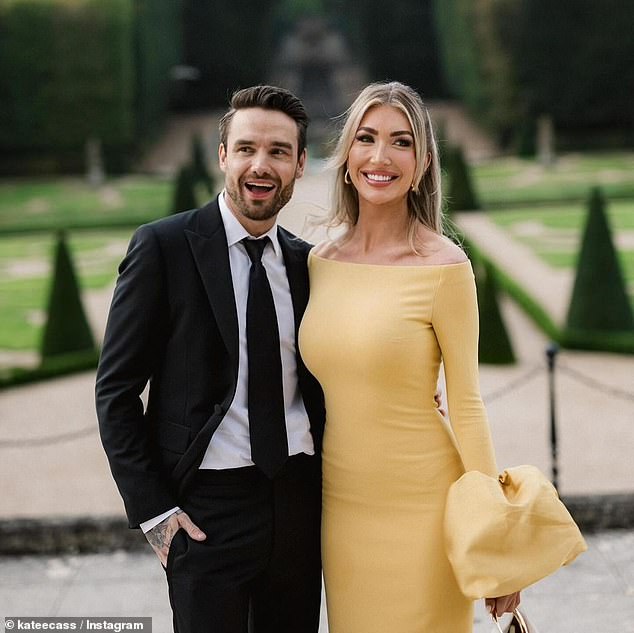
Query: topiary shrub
[[495, 347], [67, 328], [184, 190], [525, 138], [461, 194], [199, 164], [599, 299]]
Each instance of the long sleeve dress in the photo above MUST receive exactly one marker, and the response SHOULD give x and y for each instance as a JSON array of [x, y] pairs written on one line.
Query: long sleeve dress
[[375, 336]]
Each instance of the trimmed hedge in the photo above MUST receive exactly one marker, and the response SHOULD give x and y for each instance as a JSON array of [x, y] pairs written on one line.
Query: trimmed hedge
[[494, 345], [599, 298], [573, 61], [199, 163], [66, 72], [67, 329], [512, 61], [401, 44], [476, 67], [228, 42], [72, 70], [157, 48], [184, 190], [613, 342], [461, 194], [54, 367]]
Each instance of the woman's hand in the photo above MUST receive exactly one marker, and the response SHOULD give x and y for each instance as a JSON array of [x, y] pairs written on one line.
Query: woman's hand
[[503, 604], [439, 402]]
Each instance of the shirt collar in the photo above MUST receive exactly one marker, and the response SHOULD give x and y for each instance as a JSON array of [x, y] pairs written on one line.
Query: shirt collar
[[236, 232]]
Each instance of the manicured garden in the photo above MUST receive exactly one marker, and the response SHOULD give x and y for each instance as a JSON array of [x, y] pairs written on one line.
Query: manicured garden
[[25, 265], [30, 205], [99, 222], [553, 231], [509, 182], [542, 208]]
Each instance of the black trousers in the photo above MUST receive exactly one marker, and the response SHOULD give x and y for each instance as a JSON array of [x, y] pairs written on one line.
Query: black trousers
[[259, 570]]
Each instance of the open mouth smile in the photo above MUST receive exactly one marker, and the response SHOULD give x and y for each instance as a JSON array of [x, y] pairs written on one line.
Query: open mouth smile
[[259, 188], [375, 178]]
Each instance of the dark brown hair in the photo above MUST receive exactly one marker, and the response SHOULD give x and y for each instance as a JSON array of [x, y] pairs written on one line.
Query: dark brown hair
[[268, 98]]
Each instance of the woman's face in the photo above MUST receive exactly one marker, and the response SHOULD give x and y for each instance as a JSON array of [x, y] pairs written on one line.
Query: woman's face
[[382, 160]]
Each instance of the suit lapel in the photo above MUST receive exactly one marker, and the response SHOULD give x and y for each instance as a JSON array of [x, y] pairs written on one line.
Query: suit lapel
[[297, 274], [208, 244], [295, 259]]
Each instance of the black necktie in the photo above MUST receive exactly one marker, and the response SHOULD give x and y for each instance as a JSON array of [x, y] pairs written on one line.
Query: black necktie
[[267, 422]]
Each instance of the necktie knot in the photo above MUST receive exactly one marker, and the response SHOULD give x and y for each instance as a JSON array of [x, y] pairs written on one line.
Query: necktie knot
[[255, 248]]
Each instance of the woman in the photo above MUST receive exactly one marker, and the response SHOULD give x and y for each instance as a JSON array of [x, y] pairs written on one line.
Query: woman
[[389, 300]]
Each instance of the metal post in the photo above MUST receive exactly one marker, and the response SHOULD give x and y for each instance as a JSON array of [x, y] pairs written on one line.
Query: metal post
[[551, 354]]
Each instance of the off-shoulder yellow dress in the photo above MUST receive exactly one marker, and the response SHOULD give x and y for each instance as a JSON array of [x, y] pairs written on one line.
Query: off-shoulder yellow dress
[[374, 336]]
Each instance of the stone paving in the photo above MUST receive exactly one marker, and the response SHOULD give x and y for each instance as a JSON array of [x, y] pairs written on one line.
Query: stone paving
[[595, 594]]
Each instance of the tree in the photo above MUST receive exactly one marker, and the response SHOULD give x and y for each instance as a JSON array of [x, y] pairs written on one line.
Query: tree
[[599, 298], [495, 347], [67, 328]]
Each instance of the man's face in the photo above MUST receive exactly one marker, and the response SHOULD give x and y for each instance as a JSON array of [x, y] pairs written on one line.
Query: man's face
[[261, 164]]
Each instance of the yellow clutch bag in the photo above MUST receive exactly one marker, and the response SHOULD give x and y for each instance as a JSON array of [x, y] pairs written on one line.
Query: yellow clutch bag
[[505, 534]]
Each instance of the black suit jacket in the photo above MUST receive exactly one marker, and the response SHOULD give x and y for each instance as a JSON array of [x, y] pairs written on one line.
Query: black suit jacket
[[173, 322]]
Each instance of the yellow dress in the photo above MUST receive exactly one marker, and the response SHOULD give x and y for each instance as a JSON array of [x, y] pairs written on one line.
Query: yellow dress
[[374, 336]]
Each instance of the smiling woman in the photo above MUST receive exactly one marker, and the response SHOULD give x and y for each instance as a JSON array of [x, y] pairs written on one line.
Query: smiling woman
[[382, 161], [391, 300]]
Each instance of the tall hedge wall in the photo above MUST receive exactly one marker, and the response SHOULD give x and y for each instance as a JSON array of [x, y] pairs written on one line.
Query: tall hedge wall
[[66, 73], [228, 42], [511, 61], [476, 67], [400, 43], [158, 36], [573, 60], [74, 69]]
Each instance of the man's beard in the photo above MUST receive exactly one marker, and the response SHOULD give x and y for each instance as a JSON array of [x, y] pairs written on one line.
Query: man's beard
[[259, 210]]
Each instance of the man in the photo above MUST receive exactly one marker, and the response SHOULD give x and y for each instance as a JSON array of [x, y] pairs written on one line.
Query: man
[[222, 469]]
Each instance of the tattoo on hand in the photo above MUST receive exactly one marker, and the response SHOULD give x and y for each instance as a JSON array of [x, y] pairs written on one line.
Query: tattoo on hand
[[159, 536]]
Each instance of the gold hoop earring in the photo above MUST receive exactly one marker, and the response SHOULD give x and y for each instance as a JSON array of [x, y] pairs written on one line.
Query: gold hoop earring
[[346, 178]]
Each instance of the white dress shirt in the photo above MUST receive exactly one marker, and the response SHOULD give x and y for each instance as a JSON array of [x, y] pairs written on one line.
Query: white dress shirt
[[230, 445]]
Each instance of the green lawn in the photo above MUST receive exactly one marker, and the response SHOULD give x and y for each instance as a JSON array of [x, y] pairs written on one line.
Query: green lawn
[[513, 181], [554, 232], [25, 267], [71, 202], [566, 216], [542, 208], [31, 211]]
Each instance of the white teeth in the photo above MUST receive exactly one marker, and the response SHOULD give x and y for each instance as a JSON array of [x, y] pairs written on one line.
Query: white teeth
[[378, 177]]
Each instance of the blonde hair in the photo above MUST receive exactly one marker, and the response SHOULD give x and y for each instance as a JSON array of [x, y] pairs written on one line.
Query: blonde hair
[[424, 200]]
